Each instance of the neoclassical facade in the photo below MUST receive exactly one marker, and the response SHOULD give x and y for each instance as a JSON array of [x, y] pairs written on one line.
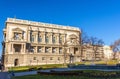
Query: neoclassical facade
[[35, 43]]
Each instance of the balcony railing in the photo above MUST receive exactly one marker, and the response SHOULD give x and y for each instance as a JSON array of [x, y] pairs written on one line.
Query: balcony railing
[[18, 39]]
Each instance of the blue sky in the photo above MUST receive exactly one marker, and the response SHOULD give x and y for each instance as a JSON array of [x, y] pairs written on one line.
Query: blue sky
[[99, 18]]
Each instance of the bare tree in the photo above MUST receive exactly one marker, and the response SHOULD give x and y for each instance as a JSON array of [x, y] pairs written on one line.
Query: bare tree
[[116, 48], [84, 40], [96, 44], [87, 42]]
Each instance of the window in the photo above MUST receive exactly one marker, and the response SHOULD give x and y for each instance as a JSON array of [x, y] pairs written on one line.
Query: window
[[46, 50], [60, 40], [47, 39], [39, 39], [60, 50], [43, 58], [34, 58], [39, 49], [54, 40], [54, 50], [32, 49], [16, 36], [32, 38], [51, 58], [58, 58], [17, 48]]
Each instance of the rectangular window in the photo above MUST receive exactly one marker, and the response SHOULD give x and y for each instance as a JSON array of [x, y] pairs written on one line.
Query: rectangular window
[[34, 58], [17, 47], [43, 58], [53, 50], [32, 49], [46, 50], [39, 49], [32, 38], [39, 39], [16, 36], [51, 58], [58, 58], [60, 50], [60, 40], [54, 40]]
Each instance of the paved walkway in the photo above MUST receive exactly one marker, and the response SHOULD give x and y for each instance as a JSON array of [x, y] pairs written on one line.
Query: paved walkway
[[4, 75], [25, 73], [71, 69]]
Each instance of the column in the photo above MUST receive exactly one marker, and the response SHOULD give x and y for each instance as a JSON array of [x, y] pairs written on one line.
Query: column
[[43, 37], [12, 48], [51, 36], [51, 50], [36, 49], [43, 49], [28, 36], [24, 47], [57, 50], [36, 36], [57, 40]]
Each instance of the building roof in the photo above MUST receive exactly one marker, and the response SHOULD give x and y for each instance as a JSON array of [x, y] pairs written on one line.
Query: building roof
[[26, 22]]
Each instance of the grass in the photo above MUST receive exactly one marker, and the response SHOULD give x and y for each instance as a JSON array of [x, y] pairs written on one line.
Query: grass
[[25, 68], [110, 62]]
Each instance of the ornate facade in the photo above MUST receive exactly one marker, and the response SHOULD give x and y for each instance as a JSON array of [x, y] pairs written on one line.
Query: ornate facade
[[35, 43]]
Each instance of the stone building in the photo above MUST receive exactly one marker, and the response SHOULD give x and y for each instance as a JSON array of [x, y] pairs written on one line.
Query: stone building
[[92, 54], [35, 43], [108, 53]]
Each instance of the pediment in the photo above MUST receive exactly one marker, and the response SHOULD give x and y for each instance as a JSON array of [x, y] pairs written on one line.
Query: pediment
[[72, 36], [17, 29]]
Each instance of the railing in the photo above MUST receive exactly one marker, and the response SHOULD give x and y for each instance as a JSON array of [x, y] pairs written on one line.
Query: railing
[[18, 39]]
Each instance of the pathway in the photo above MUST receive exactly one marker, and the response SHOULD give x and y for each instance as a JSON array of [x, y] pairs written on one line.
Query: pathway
[[25, 73], [4, 75]]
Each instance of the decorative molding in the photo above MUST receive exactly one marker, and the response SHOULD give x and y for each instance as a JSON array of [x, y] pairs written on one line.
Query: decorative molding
[[32, 23]]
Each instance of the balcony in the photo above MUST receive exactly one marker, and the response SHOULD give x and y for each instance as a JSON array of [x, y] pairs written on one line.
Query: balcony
[[18, 40]]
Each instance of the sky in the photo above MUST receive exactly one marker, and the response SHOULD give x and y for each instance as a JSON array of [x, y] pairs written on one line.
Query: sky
[[98, 18]]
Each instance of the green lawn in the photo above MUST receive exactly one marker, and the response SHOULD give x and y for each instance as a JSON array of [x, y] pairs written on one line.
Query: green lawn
[[25, 68], [56, 77], [109, 62]]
